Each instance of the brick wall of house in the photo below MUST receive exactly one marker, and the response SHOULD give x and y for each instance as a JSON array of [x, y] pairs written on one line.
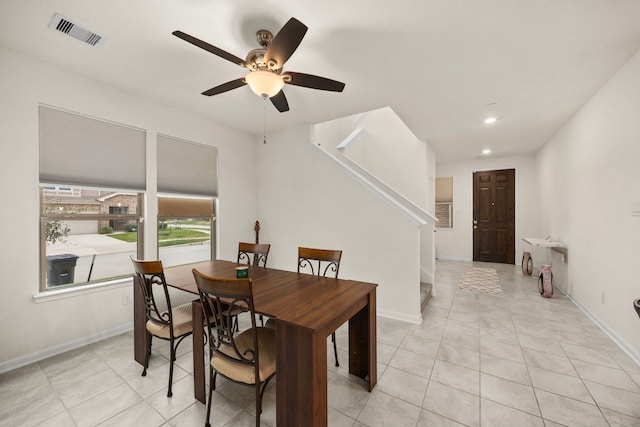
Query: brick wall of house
[[89, 203], [443, 213]]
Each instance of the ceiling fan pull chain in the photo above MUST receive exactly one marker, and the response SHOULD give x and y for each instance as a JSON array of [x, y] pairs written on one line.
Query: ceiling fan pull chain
[[264, 119]]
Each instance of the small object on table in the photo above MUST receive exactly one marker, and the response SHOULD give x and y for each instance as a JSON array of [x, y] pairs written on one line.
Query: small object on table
[[242, 272]]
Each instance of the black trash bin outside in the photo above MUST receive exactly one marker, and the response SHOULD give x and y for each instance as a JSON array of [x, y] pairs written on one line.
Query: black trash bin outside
[[60, 269]]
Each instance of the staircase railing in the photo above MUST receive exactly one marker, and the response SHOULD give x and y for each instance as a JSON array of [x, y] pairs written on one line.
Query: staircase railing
[[406, 207]]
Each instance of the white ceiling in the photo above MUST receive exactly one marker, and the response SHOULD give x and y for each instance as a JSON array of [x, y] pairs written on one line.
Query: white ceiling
[[437, 63]]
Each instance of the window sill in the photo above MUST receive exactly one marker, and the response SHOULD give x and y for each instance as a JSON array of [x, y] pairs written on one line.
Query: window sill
[[57, 294]]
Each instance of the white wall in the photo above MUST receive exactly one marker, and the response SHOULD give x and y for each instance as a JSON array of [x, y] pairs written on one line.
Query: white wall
[[306, 200], [457, 243], [386, 148], [589, 178], [31, 330], [427, 235]]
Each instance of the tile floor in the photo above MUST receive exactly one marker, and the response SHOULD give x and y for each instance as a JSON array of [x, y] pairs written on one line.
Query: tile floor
[[514, 359]]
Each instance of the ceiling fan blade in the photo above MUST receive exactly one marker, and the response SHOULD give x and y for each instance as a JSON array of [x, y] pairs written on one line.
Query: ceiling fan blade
[[285, 43], [233, 84], [280, 102], [311, 81], [211, 48]]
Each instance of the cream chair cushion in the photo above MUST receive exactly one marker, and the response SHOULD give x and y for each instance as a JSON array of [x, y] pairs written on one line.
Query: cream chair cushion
[[240, 372], [182, 323]]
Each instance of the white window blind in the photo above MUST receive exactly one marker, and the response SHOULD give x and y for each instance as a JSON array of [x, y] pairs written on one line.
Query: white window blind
[[76, 149], [186, 167]]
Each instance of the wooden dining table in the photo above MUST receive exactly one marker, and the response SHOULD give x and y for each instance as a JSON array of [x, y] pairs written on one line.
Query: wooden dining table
[[306, 310]]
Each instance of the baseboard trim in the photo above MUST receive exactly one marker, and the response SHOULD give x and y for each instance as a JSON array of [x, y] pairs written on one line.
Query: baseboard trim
[[19, 362], [400, 316], [453, 258], [621, 342]]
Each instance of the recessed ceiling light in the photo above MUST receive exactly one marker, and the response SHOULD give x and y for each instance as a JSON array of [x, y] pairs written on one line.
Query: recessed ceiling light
[[489, 120], [486, 151]]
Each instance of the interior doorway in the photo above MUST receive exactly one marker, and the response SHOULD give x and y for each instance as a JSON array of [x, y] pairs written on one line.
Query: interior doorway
[[494, 216]]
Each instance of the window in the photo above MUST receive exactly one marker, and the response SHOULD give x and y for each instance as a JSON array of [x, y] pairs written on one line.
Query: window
[[92, 174], [88, 235], [444, 202], [186, 228], [188, 186]]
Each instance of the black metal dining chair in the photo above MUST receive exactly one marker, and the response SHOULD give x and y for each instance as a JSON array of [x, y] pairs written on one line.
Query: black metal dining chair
[[172, 324], [247, 358]]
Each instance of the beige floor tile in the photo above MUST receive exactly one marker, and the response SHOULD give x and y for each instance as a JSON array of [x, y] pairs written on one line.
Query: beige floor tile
[[413, 363], [496, 415], [429, 419], [507, 336], [338, 419], [100, 408], [422, 346], [384, 410], [468, 328], [512, 371], [385, 353], [509, 393], [346, 396], [501, 350], [403, 385], [77, 390], [139, 415], [585, 354], [618, 400], [182, 398], [605, 375], [617, 419], [63, 419], [31, 408], [564, 385], [461, 340], [540, 344], [454, 404], [462, 357], [548, 361], [569, 412], [456, 376]]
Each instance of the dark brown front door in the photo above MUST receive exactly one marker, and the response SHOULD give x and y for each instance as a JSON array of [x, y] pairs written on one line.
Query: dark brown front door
[[494, 216]]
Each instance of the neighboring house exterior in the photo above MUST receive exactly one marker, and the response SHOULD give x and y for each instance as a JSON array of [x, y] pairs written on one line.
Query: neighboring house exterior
[[82, 201]]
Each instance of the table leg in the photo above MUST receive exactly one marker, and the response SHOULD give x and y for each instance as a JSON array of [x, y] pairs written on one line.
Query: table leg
[[363, 356], [301, 392], [198, 352], [140, 334]]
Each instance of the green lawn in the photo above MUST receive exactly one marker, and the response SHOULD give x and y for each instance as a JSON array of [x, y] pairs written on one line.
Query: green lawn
[[168, 237]]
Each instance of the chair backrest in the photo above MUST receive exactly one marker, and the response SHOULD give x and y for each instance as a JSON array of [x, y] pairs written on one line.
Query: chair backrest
[[222, 299], [149, 275], [253, 253], [320, 262]]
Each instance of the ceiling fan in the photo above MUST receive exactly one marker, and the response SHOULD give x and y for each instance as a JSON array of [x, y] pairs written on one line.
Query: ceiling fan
[[265, 76]]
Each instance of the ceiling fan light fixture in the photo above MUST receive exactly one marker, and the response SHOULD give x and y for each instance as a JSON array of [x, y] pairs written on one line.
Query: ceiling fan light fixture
[[264, 83]]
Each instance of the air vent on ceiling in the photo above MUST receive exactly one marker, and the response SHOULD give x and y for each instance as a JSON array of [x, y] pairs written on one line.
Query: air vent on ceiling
[[62, 24]]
